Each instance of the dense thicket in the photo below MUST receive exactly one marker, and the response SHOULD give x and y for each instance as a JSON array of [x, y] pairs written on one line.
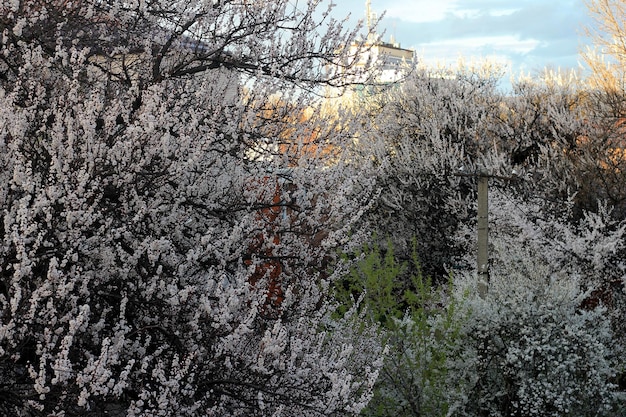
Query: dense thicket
[[555, 161], [159, 254], [184, 224], [432, 135]]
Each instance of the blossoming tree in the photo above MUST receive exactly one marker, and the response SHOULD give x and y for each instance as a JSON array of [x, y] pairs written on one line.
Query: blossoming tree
[[137, 264]]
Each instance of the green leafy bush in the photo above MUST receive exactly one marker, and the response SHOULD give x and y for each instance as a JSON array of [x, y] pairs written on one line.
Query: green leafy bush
[[421, 326]]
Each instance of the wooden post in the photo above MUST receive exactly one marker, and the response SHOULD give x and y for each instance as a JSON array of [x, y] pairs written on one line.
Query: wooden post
[[482, 257]]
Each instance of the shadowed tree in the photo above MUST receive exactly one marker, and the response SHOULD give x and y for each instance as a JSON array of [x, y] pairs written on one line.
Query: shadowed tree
[[132, 209]]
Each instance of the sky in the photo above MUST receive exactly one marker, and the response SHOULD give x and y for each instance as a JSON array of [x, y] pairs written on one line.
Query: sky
[[525, 36]]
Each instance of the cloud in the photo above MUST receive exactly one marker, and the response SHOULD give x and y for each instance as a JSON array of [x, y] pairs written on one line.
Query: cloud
[[453, 18], [504, 50], [420, 11], [498, 43]]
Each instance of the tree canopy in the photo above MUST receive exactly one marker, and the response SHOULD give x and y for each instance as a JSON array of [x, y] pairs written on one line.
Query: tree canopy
[[158, 256]]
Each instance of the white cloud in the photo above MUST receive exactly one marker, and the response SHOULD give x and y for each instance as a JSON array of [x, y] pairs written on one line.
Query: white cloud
[[503, 12], [422, 10], [474, 13], [467, 13], [509, 43]]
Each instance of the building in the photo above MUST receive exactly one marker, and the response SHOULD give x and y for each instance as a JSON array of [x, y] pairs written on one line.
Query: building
[[380, 62]]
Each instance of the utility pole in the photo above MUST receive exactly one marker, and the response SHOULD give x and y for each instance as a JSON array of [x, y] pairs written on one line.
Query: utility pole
[[482, 250], [482, 255]]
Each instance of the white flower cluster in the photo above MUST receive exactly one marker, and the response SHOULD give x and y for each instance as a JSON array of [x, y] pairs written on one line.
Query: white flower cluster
[[537, 353], [148, 264]]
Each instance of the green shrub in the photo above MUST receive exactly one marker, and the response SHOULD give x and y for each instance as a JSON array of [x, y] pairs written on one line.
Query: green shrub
[[420, 324]]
